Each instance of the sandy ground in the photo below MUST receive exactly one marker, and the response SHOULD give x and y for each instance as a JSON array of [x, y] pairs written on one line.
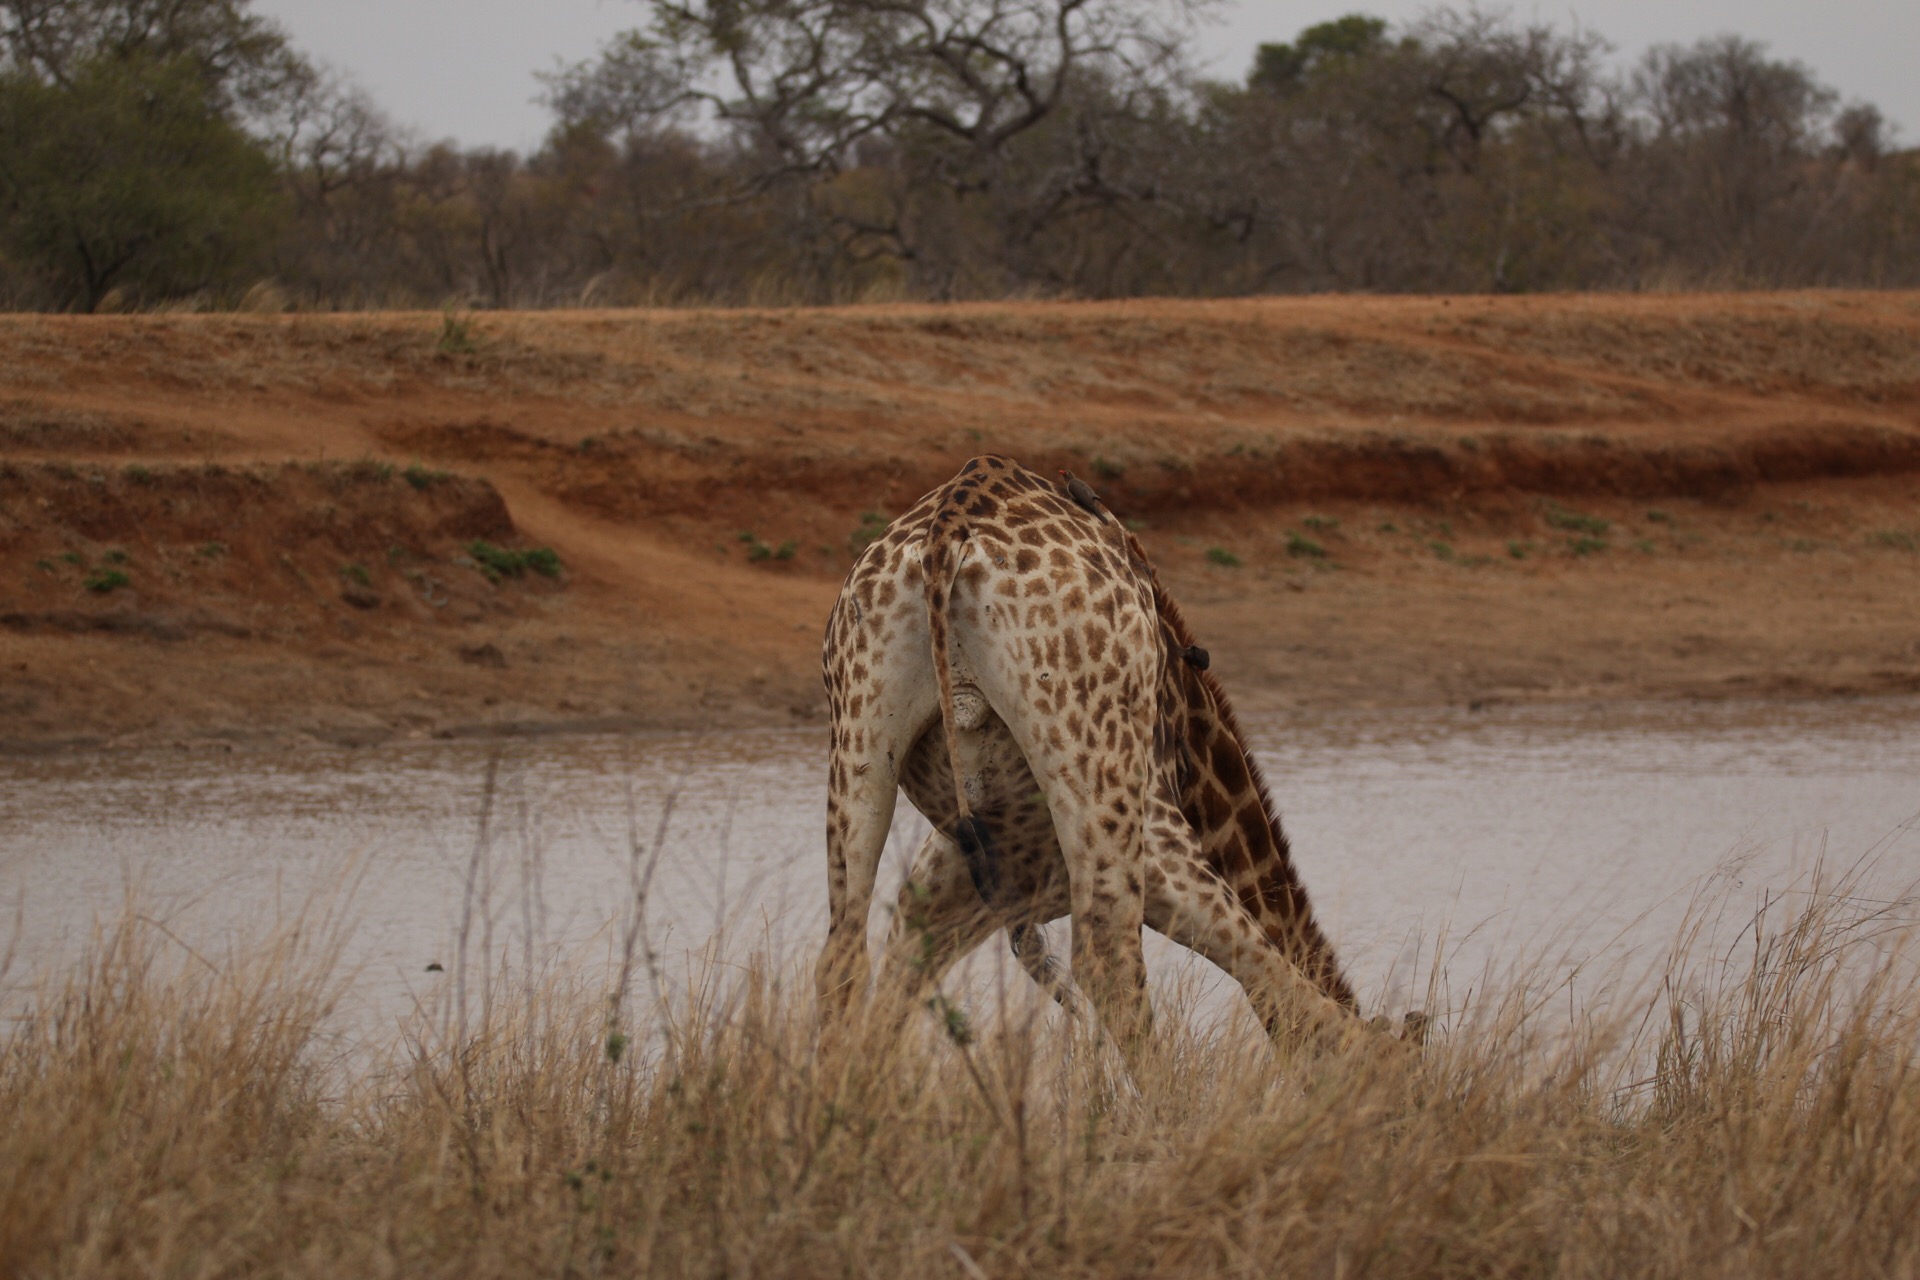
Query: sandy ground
[[239, 529]]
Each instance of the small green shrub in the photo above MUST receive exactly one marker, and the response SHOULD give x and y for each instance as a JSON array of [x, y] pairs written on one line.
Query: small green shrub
[[1586, 546], [1895, 538], [137, 474], [114, 556], [1321, 524], [420, 477], [1107, 469], [1559, 517], [1659, 517], [356, 573], [758, 550], [211, 550], [102, 581], [1223, 557], [503, 562], [1440, 549], [457, 337], [1518, 550], [872, 526], [371, 471], [1299, 545]]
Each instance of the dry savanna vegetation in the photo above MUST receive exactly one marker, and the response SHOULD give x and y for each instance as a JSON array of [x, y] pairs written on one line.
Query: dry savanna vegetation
[[176, 1113]]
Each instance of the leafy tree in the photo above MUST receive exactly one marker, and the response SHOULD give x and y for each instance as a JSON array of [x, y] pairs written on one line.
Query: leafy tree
[[122, 174], [243, 61], [1284, 68]]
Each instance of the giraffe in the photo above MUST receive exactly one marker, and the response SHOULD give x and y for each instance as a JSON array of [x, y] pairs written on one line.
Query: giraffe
[[1005, 655]]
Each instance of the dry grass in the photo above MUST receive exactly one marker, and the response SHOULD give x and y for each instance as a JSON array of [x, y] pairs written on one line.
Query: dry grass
[[167, 1113]]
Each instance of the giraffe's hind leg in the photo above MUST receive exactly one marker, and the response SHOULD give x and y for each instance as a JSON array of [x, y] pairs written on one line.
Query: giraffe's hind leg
[[941, 917], [861, 793]]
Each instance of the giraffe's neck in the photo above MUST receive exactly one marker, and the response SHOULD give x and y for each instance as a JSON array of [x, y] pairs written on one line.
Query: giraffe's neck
[[1224, 798]]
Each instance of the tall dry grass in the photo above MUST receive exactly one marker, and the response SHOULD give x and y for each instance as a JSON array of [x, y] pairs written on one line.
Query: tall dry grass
[[170, 1113]]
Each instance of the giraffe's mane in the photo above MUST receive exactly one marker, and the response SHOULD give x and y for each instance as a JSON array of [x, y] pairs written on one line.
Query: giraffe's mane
[[1169, 611]]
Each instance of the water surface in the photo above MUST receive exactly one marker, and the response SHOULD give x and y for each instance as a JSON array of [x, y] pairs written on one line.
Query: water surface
[[1431, 839]]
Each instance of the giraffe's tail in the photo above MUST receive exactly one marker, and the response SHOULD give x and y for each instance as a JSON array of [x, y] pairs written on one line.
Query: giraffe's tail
[[941, 553]]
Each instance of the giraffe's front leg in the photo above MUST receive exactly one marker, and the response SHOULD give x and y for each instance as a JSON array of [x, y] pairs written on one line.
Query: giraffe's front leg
[[1190, 904]]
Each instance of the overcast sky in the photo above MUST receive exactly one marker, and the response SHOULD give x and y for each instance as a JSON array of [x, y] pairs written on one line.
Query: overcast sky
[[466, 71]]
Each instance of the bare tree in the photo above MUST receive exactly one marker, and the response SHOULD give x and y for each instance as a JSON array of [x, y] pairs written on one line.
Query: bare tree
[[946, 89]]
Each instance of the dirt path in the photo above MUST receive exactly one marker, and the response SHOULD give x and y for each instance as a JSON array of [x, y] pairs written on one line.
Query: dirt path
[[263, 528]]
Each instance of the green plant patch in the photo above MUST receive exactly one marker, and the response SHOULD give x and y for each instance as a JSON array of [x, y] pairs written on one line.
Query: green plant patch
[[1300, 545], [758, 550], [457, 336], [1223, 557], [101, 581], [1560, 517], [872, 525], [504, 562]]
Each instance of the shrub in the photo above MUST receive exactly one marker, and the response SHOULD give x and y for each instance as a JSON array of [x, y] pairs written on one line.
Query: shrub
[[457, 337], [1560, 517], [872, 526], [1299, 545], [503, 562]]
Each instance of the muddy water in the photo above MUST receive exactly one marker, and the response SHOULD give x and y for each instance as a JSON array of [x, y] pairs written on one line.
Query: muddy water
[[1466, 844]]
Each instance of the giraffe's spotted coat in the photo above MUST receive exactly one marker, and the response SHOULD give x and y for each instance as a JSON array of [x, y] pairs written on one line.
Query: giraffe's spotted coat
[[1104, 768]]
